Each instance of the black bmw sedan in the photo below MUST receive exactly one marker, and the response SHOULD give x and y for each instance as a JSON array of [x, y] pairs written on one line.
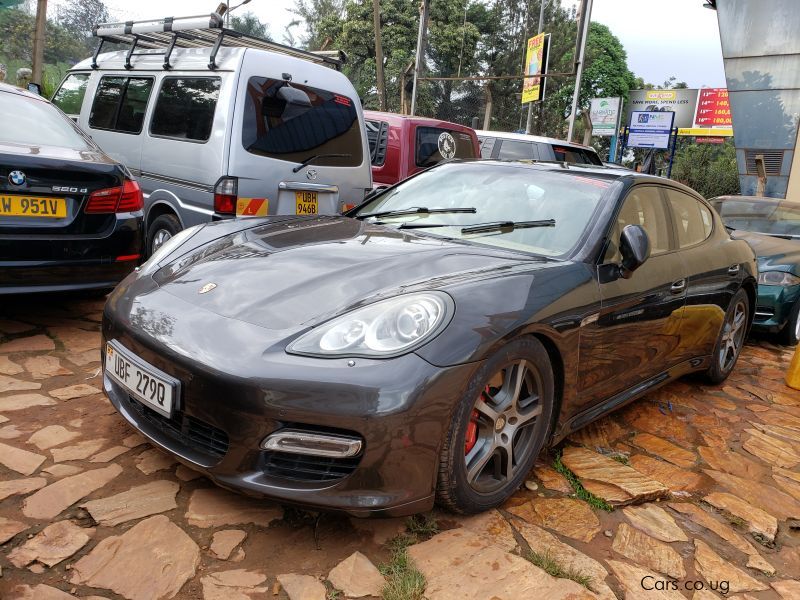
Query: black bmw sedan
[[427, 345], [70, 216]]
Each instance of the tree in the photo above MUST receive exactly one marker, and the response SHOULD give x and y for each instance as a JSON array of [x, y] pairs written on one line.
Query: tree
[[249, 24], [79, 17], [16, 43], [708, 168]]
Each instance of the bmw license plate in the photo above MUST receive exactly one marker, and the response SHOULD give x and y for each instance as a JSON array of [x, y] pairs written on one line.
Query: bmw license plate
[[143, 381], [14, 205], [306, 203]]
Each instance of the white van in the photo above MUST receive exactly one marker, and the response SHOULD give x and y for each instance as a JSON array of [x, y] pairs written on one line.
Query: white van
[[217, 124]]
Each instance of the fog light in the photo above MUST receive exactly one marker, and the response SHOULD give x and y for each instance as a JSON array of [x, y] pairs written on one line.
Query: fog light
[[313, 444]]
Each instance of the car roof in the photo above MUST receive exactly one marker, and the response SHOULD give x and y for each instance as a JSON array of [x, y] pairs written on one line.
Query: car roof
[[11, 89], [396, 119], [530, 138]]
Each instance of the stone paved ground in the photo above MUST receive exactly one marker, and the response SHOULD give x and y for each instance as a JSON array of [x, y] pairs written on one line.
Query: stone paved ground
[[705, 482]]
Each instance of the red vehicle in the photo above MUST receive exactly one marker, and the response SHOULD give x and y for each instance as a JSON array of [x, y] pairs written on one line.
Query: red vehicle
[[401, 145]]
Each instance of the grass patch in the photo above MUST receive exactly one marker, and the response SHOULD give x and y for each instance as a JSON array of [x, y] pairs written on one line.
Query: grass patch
[[422, 527], [331, 593], [580, 491], [546, 562], [403, 580], [621, 458]]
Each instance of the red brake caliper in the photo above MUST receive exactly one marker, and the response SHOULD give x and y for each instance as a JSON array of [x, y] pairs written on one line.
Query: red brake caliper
[[472, 429]]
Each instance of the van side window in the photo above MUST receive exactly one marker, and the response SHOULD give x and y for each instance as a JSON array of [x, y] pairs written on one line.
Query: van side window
[[487, 144], [515, 150], [185, 108], [120, 104], [378, 139], [69, 96], [288, 121]]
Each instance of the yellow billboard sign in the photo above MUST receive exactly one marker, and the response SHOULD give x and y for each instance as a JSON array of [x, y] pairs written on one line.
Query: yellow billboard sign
[[534, 64], [706, 131]]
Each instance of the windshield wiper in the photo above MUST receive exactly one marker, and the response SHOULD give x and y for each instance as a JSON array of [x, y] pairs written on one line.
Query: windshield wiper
[[507, 226], [420, 210], [311, 159]]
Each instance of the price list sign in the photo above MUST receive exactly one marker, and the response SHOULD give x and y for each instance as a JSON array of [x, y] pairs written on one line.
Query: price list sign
[[713, 108]]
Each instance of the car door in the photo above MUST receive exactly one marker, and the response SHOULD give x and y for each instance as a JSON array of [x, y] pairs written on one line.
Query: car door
[[637, 332], [711, 278]]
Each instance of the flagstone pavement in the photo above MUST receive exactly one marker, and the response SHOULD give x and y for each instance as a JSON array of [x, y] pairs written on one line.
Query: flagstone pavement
[[690, 492]]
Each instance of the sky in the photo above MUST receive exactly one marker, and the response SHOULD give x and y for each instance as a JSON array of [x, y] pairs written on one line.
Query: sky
[[677, 37]]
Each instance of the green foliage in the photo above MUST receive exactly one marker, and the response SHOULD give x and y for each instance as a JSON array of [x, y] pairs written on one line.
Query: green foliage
[[548, 563], [16, 41], [403, 580], [249, 24], [422, 527], [580, 491], [710, 169]]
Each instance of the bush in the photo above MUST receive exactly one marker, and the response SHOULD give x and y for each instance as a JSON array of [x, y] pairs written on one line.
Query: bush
[[710, 169]]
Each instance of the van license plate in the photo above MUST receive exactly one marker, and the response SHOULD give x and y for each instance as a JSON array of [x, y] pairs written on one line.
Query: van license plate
[[306, 203], [14, 205], [142, 380]]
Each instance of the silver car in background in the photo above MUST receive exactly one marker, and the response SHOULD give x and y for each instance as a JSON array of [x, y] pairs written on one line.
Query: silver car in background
[[521, 146], [228, 125]]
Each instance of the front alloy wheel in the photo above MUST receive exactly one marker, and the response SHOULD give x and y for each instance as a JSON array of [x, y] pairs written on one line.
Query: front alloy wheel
[[731, 338], [498, 429]]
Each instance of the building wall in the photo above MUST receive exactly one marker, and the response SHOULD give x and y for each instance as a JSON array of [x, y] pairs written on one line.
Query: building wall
[[761, 52]]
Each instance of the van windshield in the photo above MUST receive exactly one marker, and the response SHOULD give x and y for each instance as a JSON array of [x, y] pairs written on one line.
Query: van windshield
[[294, 122]]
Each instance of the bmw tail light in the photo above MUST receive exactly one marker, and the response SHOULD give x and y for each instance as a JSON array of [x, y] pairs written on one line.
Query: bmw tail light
[[225, 195], [125, 198]]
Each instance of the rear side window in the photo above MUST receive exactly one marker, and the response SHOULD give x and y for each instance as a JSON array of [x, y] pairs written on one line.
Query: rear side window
[[294, 122], [434, 145], [487, 144], [185, 108], [515, 150], [120, 104], [580, 156], [69, 96], [378, 139], [693, 221]]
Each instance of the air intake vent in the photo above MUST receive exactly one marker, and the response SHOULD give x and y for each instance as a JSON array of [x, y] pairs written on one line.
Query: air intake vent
[[296, 467], [378, 138], [772, 161]]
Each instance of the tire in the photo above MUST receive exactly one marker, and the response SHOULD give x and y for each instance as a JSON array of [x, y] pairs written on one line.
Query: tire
[[161, 229], [790, 334], [523, 418], [729, 345]]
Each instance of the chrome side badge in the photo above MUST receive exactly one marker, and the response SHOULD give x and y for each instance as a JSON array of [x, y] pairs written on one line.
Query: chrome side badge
[[207, 288]]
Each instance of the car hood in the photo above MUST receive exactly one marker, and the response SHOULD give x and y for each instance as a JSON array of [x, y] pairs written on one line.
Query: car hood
[[289, 273], [774, 253], [31, 153]]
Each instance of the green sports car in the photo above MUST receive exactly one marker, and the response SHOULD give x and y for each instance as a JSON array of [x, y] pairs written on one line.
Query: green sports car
[[772, 228]]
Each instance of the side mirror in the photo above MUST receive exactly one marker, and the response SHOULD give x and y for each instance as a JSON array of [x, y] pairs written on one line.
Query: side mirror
[[634, 245]]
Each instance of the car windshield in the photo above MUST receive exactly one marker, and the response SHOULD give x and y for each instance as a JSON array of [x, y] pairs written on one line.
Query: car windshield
[[498, 193], [760, 215], [37, 123]]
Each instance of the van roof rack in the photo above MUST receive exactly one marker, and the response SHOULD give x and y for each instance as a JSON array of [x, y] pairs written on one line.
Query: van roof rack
[[200, 31]]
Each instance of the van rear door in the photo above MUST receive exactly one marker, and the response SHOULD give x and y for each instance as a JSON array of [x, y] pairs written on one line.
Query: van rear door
[[298, 139]]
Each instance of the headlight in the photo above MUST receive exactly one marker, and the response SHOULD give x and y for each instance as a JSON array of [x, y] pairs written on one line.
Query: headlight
[[778, 278], [384, 329], [167, 247]]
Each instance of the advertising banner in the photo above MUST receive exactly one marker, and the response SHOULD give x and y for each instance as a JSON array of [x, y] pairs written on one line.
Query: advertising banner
[[650, 129], [604, 113], [535, 59], [713, 108], [681, 102]]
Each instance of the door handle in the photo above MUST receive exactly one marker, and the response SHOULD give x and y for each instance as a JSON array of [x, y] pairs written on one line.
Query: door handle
[[678, 286], [733, 270]]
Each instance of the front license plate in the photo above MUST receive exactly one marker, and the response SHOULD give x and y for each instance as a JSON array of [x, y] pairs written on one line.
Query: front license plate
[[306, 203], [32, 206], [142, 380]]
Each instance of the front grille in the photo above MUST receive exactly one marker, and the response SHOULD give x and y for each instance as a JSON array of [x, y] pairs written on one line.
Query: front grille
[[300, 467], [188, 431]]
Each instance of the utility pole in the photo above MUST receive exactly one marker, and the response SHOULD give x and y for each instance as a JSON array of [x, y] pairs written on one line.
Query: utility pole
[[376, 18], [423, 28], [38, 41], [586, 18], [530, 104]]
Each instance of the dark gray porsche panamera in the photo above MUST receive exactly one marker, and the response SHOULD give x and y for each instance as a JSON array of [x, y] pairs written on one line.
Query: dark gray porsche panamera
[[426, 346]]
